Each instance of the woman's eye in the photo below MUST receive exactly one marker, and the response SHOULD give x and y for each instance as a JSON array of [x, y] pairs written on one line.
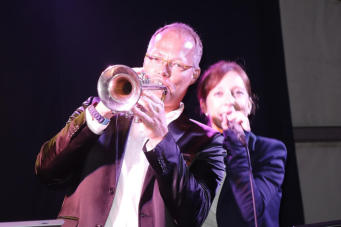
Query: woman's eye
[[218, 93], [238, 93]]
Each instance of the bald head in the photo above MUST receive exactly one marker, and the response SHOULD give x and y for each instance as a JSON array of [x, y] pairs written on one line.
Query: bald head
[[182, 30]]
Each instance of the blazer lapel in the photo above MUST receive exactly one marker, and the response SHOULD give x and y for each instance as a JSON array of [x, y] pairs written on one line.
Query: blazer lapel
[[177, 128]]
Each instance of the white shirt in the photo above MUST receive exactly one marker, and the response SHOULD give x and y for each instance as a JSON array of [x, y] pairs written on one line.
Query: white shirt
[[124, 211]]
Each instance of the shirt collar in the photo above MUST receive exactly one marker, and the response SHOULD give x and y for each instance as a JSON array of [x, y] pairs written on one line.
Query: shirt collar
[[173, 115]]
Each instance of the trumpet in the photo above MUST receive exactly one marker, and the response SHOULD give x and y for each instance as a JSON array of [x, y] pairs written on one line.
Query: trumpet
[[119, 87]]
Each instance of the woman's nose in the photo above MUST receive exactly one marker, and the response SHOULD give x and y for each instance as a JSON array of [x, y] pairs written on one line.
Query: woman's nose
[[229, 98]]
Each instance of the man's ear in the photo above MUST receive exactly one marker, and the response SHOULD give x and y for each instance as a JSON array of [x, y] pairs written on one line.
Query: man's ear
[[195, 75]]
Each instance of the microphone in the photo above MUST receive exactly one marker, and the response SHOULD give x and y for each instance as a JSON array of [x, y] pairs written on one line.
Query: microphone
[[238, 131]]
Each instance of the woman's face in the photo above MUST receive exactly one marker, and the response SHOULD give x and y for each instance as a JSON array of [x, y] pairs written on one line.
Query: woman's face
[[228, 100]]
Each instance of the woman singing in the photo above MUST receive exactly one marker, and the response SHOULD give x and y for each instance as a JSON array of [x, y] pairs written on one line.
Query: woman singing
[[251, 192]]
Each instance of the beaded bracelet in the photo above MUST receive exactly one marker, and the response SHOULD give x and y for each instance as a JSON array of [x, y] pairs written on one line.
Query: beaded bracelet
[[102, 120]]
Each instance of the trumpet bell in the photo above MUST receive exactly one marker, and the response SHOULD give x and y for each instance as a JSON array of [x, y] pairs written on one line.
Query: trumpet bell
[[119, 88]]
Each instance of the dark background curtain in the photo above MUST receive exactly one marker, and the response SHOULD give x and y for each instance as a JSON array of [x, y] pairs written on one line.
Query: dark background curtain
[[52, 53]]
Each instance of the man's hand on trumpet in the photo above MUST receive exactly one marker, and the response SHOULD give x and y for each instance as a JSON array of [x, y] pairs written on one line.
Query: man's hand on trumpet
[[151, 112]]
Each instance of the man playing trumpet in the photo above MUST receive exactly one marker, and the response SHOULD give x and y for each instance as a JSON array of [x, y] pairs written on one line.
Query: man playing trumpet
[[162, 170]]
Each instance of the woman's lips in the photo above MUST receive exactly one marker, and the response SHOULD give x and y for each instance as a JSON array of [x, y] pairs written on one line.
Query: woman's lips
[[226, 113]]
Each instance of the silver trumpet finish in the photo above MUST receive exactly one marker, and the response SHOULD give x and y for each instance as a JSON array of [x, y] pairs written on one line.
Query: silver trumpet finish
[[119, 87]]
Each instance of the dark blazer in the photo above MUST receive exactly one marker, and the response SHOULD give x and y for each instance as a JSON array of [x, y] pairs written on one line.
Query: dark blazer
[[180, 184], [268, 156]]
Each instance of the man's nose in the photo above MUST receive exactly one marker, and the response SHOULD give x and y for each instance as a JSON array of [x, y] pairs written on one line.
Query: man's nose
[[165, 70]]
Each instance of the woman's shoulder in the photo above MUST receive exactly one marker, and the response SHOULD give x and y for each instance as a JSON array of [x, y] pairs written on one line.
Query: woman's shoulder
[[268, 144], [268, 140]]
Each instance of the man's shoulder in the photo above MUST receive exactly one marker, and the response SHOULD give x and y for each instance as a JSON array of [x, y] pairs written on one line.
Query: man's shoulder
[[186, 124], [193, 136], [197, 132], [200, 127], [92, 99]]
